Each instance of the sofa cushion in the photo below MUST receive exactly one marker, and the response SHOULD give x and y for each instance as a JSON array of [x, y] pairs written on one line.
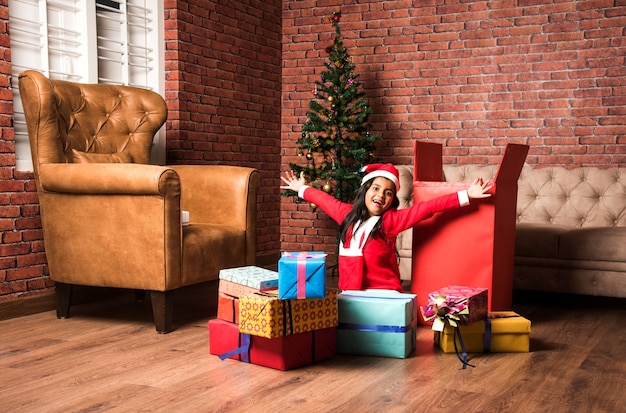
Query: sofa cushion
[[538, 240], [595, 244]]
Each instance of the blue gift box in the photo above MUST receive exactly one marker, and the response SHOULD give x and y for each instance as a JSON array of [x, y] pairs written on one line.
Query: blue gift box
[[376, 323], [302, 275]]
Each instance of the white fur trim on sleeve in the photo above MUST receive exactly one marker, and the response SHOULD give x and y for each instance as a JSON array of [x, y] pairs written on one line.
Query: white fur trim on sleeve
[[463, 197], [301, 190]]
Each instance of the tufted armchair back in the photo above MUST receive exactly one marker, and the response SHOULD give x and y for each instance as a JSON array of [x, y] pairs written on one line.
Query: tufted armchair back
[[86, 123]]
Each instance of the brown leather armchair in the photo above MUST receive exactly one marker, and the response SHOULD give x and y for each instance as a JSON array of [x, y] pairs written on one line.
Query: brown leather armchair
[[111, 219]]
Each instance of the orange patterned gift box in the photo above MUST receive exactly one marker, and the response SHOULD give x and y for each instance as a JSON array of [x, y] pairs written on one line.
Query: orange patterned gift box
[[263, 314]]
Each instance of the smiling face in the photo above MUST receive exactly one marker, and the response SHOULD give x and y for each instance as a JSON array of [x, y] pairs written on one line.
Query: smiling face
[[379, 196]]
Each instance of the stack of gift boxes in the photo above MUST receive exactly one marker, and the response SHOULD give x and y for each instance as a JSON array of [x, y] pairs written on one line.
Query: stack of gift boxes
[[462, 323], [289, 319], [283, 320]]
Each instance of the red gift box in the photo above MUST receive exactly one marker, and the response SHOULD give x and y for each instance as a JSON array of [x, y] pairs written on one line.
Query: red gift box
[[228, 308], [282, 353]]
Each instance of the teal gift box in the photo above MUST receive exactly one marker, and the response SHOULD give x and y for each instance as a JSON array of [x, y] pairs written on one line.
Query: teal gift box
[[376, 323], [302, 275]]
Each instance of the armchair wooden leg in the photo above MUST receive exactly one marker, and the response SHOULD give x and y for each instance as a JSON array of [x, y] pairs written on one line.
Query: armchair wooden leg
[[63, 299], [162, 310], [140, 295]]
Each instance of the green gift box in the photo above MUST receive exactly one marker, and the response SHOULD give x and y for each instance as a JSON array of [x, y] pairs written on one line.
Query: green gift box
[[376, 323]]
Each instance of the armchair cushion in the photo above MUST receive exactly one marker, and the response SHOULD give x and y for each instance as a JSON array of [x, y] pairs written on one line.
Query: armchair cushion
[[86, 157], [228, 249]]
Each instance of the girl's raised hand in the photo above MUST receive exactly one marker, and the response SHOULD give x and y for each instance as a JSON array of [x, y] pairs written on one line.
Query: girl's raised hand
[[479, 189], [292, 181]]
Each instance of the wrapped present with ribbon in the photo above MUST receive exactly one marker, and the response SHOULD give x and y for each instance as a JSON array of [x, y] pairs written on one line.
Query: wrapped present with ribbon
[[301, 275], [456, 305], [282, 353], [376, 323], [500, 332], [246, 280], [263, 314]]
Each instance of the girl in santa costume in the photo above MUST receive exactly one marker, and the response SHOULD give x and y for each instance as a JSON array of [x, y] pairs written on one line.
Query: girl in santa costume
[[369, 227]]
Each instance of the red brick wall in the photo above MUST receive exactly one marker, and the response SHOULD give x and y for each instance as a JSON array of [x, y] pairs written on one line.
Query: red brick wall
[[471, 75], [22, 260], [223, 92]]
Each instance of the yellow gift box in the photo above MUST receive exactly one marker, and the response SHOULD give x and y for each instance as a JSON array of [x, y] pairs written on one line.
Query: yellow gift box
[[263, 314], [501, 332]]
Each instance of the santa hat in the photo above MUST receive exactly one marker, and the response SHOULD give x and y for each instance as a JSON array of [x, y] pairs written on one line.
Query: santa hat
[[386, 170]]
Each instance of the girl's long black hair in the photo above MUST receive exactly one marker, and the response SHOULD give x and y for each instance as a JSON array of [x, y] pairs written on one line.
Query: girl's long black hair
[[359, 212]]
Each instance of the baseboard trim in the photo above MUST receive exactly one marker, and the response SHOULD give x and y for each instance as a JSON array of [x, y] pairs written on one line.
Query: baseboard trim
[[28, 305], [39, 303]]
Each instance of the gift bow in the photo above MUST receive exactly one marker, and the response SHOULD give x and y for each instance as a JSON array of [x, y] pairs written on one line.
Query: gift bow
[[441, 308]]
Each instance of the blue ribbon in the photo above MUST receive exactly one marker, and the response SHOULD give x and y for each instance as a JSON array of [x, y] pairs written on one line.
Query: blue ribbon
[[287, 312], [487, 337], [242, 350], [234, 309], [376, 327], [463, 359]]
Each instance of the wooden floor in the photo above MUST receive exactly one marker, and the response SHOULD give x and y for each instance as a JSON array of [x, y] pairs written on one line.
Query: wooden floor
[[108, 358]]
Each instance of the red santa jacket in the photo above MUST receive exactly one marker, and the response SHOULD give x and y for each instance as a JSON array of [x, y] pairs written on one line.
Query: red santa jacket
[[380, 262]]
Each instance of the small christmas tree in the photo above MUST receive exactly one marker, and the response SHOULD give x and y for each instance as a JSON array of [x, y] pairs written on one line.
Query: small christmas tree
[[336, 140]]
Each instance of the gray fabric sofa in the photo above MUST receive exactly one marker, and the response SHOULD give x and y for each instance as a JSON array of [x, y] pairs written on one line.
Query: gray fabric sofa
[[570, 231]]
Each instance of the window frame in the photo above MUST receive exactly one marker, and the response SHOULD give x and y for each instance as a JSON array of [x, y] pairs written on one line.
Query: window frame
[[68, 49]]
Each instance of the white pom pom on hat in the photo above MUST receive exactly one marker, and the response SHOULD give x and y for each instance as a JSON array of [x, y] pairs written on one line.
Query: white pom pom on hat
[[386, 170]]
